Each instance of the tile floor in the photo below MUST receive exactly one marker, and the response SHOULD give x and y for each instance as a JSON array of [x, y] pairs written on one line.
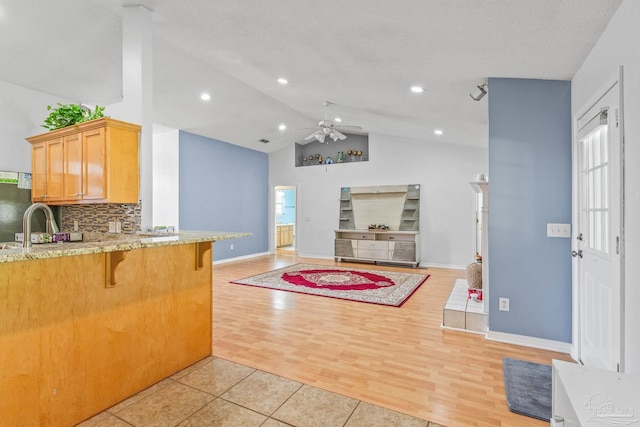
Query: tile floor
[[217, 392]]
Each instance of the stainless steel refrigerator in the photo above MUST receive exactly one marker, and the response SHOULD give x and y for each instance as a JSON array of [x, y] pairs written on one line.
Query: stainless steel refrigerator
[[15, 198]]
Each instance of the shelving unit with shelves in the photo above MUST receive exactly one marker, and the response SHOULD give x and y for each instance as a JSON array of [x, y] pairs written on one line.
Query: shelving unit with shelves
[[395, 206]]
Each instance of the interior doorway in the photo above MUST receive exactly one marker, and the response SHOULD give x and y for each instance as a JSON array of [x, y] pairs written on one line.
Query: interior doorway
[[285, 219]]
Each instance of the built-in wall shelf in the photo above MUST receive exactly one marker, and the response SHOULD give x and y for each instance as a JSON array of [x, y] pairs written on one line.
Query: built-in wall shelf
[[354, 149]]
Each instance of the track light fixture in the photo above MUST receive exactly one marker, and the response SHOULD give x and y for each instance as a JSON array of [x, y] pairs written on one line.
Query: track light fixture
[[479, 92]]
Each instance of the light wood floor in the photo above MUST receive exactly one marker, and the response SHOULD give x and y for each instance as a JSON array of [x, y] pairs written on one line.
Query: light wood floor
[[398, 358]]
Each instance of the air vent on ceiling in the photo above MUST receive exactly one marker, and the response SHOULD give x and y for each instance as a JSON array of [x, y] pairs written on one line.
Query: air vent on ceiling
[[264, 141]]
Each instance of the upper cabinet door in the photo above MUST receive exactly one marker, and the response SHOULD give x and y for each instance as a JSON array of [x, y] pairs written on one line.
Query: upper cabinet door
[[39, 172], [94, 156], [73, 167], [55, 170]]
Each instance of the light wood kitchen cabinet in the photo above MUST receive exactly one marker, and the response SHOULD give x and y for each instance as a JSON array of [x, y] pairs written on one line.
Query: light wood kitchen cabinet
[[47, 170], [284, 235], [98, 162]]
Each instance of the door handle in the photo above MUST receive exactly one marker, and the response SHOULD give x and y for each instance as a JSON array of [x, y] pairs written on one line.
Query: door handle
[[579, 237], [578, 253]]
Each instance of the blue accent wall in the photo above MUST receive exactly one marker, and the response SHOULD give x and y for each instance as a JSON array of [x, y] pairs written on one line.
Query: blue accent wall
[[224, 187], [529, 186]]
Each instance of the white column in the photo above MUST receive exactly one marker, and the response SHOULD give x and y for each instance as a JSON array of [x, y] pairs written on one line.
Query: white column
[[137, 94]]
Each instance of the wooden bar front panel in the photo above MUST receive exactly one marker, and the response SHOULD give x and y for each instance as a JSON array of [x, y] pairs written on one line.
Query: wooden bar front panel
[[71, 347]]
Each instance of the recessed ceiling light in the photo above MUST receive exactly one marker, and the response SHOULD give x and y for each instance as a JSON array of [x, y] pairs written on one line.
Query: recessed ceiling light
[[338, 119], [283, 81], [417, 89], [438, 132], [282, 127], [205, 96]]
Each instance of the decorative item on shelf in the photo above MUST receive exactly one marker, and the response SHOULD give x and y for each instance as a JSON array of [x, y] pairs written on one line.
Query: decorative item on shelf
[[478, 258], [381, 227], [319, 157], [329, 161], [340, 156]]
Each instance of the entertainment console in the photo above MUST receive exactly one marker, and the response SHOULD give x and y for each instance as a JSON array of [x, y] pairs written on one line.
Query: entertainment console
[[379, 224], [377, 246]]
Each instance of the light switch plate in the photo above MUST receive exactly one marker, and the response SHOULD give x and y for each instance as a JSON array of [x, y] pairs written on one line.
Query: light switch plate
[[559, 230]]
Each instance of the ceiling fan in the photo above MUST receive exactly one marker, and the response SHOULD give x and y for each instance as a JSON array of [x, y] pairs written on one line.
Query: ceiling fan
[[327, 128]]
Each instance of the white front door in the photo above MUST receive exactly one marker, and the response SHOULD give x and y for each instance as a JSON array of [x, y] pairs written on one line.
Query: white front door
[[599, 232]]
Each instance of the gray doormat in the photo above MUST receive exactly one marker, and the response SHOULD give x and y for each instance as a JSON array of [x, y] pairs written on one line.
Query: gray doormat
[[528, 388]]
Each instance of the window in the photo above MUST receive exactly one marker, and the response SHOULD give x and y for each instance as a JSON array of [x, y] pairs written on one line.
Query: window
[[595, 176], [279, 202]]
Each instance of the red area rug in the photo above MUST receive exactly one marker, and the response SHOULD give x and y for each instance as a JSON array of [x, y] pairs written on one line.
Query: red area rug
[[372, 286]]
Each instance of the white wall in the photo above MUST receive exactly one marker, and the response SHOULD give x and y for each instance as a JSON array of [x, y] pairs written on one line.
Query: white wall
[[165, 176], [447, 200], [22, 113], [619, 46]]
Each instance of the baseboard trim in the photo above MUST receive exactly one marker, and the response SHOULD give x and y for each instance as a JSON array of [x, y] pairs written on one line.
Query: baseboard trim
[[240, 258], [450, 266], [303, 255], [541, 343]]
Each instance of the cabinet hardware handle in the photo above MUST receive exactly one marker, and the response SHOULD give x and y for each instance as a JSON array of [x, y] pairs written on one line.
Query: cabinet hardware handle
[[577, 254]]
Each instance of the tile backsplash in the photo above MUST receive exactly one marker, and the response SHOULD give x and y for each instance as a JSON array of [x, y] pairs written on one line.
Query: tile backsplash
[[95, 218]]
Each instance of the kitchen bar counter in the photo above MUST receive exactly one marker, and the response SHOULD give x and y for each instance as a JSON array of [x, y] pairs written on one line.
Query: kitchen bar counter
[[110, 242], [85, 325]]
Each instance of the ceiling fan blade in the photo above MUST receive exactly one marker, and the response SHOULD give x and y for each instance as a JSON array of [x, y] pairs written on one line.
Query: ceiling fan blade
[[313, 135], [338, 134], [348, 126]]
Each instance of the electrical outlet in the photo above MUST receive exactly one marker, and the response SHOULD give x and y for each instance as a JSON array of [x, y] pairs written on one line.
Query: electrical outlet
[[504, 304], [118, 227], [112, 227], [231, 247], [75, 226]]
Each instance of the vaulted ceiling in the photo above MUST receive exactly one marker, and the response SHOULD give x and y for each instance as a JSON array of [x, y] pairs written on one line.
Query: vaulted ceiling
[[362, 55]]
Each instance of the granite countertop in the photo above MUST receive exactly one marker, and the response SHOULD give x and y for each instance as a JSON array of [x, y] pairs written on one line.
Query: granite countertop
[[107, 242]]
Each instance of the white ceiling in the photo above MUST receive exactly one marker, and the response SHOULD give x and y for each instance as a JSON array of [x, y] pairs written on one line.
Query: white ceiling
[[362, 55]]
